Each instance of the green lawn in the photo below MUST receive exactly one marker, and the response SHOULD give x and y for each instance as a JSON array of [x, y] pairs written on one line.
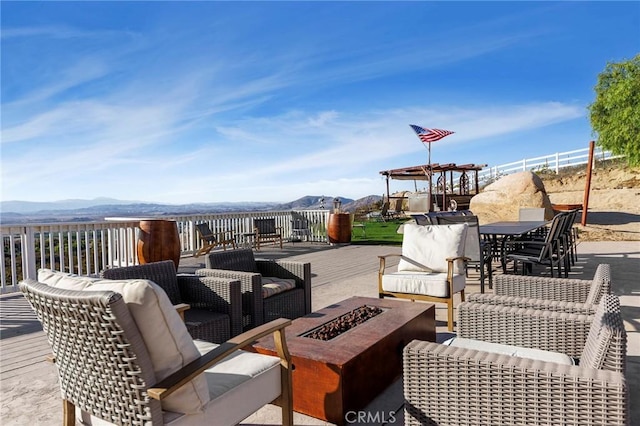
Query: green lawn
[[379, 233]]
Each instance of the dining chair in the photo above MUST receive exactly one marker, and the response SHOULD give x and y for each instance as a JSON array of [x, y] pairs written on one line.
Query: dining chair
[[477, 250], [531, 214], [531, 251]]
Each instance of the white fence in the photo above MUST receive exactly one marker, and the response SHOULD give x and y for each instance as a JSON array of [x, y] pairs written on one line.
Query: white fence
[[86, 248], [553, 162]]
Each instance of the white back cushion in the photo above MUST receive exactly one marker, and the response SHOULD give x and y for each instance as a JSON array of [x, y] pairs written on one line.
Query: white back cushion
[[168, 342], [427, 247]]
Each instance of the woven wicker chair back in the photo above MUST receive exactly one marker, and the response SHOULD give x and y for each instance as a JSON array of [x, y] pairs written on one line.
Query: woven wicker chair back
[[601, 284], [103, 365], [606, 345], [235, 260], [162, 273]]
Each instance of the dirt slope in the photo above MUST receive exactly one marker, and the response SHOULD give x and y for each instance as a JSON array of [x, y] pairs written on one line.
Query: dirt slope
[[614, 199]]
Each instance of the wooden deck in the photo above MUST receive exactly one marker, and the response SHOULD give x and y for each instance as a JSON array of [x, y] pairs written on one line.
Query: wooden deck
[[28, 384]]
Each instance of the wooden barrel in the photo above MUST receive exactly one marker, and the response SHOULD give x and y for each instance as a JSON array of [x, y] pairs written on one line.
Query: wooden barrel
[[339, 228], [158, 240]]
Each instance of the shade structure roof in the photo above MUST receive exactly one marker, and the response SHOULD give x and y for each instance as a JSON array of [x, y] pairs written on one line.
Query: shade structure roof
[[420, 172]]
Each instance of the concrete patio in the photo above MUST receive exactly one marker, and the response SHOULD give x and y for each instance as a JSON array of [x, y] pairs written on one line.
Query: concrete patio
[[29, 392]]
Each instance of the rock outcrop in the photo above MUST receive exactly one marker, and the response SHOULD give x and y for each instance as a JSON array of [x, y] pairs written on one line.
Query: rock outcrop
[[502, 200]]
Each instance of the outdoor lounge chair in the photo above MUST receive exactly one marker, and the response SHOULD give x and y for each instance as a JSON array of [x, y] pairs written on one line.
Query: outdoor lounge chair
[[124, 357], [554, 294], [212, 308], [382, 215], [215, 313], [270, 289], [266, 231], [432, 266], [211, 240], [501, 371]]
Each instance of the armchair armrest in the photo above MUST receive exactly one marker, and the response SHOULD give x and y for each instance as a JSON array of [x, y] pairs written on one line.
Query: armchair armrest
[[552, 331], [448, 385], [453, 259], [525, 302], [249, 281], [180, 308], [223, 295], [300, 271], [383, 261], [250, 287], [173, 382], [561, 289]]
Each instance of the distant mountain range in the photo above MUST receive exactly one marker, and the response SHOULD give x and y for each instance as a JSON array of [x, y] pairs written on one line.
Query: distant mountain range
[[75, 210]]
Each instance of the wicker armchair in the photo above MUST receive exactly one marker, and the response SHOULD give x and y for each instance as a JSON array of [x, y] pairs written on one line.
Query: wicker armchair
[[459, 385], [554, 294], [126, 358], [293, 298], [215, 313]]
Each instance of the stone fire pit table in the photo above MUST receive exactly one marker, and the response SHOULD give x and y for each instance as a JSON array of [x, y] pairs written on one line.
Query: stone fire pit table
[[345, 373]]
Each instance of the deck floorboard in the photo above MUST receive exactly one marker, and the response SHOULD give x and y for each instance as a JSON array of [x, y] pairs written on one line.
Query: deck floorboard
[[28, 383]]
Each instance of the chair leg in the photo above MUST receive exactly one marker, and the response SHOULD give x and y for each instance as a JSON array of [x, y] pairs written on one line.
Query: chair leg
[[68, 413], [450, 313]]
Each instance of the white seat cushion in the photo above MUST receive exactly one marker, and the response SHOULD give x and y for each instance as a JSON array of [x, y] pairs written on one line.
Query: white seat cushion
[[427, 247], [166, 337], [517, 351], [275, 285], [237, 385], [428, 284]]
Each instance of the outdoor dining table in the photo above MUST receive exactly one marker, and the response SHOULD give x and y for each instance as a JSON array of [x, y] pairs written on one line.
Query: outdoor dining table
[[498, 233]]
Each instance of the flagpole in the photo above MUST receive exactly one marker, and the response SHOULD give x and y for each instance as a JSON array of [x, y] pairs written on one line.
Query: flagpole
[[427, 136], [430, 177]]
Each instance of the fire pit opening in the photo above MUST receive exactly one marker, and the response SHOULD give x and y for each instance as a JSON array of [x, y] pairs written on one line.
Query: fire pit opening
[[343, 323]]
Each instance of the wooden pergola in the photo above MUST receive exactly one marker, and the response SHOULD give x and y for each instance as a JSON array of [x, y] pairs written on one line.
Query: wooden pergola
[[421, 172]]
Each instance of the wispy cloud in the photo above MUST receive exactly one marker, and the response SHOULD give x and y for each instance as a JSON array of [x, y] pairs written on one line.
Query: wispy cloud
[[192, 109]]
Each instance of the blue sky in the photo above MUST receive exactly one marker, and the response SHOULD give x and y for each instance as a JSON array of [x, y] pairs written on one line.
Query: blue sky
[[269, 101]]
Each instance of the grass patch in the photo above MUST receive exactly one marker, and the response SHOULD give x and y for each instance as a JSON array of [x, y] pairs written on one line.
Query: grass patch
[[379, 233]]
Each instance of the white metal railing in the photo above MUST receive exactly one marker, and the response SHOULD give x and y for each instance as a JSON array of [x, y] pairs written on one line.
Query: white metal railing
[[553, 162], [86, 248]]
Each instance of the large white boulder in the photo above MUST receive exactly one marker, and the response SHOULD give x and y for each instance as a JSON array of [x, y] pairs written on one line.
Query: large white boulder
[[502, 200]]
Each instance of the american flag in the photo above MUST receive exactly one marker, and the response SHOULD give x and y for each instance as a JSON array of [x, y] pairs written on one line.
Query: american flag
[[430, 135]]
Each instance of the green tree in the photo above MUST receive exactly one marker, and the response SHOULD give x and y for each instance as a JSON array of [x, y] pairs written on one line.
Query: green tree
[[615, 113]]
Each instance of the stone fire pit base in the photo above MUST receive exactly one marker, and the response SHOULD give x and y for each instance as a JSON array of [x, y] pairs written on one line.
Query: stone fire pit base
[[347, 372]]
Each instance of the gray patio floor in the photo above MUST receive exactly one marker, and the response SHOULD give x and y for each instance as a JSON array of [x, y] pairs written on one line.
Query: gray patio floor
[[28, 385]]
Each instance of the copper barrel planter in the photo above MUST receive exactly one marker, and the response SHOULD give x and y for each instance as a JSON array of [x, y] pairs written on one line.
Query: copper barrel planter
[[339, 228], [158, 240]]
